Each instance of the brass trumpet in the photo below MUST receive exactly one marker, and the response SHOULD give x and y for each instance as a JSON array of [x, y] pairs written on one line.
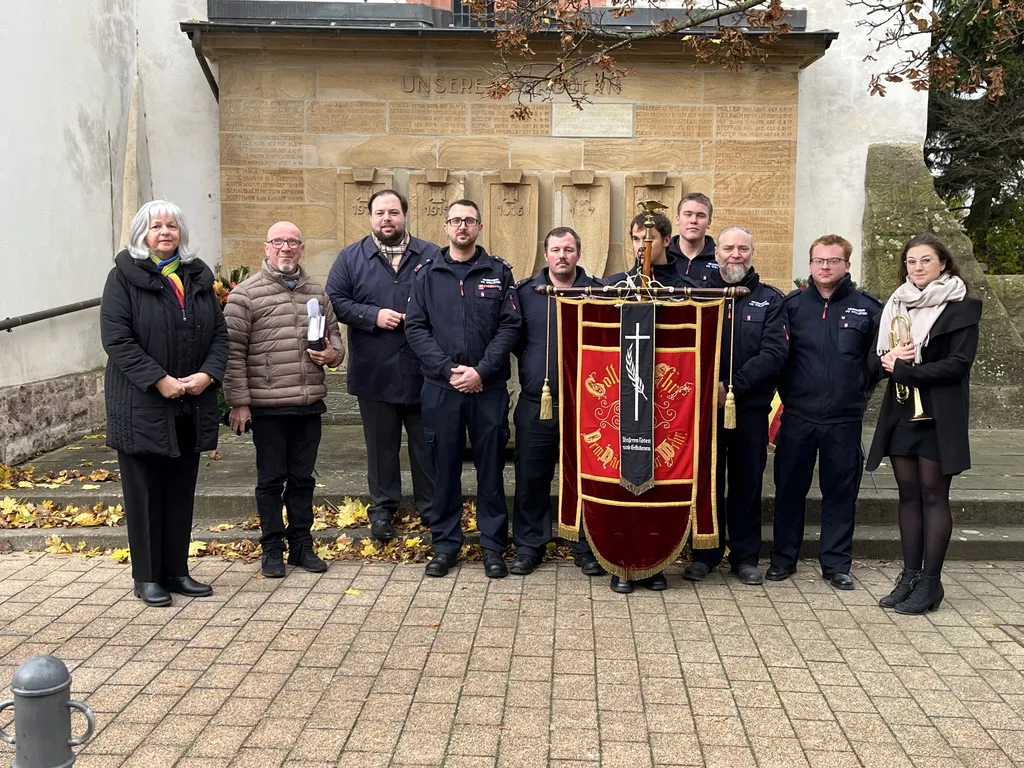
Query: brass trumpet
[[899, 333]]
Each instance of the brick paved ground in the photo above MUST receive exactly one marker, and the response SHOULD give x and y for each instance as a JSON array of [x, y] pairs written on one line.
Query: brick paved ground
[[373, 665]]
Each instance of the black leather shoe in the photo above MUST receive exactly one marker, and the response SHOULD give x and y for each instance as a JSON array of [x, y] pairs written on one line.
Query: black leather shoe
[[186, 585], [273, 564], [747, 574], [524, 565], [904, 586], [621, 586], [839, 580], [696, 571], [152, 594], [382, 528], [927, 596], [494, 565], [589, 566], [304, 557], [439, 565], [779, 572], [656, 583]]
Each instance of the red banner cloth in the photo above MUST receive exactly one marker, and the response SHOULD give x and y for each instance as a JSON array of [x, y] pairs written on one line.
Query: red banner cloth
[[637, 536]]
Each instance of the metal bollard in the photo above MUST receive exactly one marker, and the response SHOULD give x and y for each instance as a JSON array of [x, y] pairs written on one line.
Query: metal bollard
[[42, 715]]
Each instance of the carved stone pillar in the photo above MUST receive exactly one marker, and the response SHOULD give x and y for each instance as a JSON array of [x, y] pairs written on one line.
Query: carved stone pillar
[[510, 218], [355, 188], [430, 192], [582, 201]]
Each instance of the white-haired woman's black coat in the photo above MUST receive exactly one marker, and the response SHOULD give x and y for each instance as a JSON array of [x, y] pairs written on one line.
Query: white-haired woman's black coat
[[147, 336]]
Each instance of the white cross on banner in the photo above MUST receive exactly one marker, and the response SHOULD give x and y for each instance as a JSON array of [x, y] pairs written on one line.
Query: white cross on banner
[[636, 383]]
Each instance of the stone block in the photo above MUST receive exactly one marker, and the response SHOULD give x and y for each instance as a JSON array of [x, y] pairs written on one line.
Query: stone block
[[429, 196], [760, 122], [270, 150], [346, 117], [753, 155], [342, 151], [496, 119], [748, 88], [272, 116], [754, 190], [411, 84], [545, 153], [644, 85], [770, 225], [238, 252], [354, 189], [582, 201], [774, 263], [641, 154], [1010, 290], [482, 152], [417, 118], [687, 122], [254, 219], [261, 185], [266, 81], [321, 185], [510, 218]]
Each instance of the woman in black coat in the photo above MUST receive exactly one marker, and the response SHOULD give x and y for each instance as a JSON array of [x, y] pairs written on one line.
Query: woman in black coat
[[167, 347], [925, 454]]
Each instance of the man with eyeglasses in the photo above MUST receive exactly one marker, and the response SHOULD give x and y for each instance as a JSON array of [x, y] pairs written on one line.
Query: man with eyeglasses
[[369, 286], [275, 382], [755, 344], [463, 322], [824, 389], [693, 248]]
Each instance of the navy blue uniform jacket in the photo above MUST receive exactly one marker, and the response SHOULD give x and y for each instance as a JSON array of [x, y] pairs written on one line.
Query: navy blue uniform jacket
[[381, 365], [532, 352], [472, 321], [698, 269], [666, 274], [762, 342], [828, 375]]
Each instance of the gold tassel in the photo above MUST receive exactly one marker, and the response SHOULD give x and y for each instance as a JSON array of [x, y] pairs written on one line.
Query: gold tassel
[[730, 410], [547, 411]]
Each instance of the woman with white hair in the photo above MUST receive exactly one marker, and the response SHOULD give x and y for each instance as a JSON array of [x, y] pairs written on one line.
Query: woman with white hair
[[167, 347]]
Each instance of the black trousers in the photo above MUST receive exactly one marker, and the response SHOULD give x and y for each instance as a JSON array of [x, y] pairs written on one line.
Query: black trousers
[[537, 447], [382, 428], [159, 496], [840, 466], [742, 456], [447, 415], [286, 448]]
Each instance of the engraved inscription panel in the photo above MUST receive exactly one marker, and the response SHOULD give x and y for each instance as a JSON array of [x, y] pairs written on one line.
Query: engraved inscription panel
[[754, 190], [587, 209], [254, 219], [496, 119], [261, 185], [274, 150], [427, 204], [769, 225], [353, 199], [754, 155], [404, 117], [510, 221], [683, 122], [346, 117], [600, 120], [756, 122], [261, 115]]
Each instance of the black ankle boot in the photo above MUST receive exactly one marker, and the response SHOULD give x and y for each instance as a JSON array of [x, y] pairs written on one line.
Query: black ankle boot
[[927, 596], [904, 586]]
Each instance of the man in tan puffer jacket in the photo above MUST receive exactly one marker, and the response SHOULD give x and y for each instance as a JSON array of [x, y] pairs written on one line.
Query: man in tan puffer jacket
[[275, 381]]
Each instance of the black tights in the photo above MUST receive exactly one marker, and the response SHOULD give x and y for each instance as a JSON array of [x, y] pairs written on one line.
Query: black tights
[[926, 523]]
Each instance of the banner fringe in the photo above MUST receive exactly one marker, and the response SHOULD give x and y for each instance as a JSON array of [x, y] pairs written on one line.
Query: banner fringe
[[705, 541], [568, 532], [636, 490]]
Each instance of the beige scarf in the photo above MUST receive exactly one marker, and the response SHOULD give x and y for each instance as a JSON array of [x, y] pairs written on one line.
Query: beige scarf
[[923, 306]]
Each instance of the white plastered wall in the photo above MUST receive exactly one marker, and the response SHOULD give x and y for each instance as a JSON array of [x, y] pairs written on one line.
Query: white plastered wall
[[66, 88], [838, 121]]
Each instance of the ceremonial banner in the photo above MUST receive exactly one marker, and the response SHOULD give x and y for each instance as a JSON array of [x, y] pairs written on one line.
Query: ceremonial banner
[[636, 533]]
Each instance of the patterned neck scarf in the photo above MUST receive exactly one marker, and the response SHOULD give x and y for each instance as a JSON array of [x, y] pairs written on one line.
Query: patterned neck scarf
[[169, 269], [392, 253]]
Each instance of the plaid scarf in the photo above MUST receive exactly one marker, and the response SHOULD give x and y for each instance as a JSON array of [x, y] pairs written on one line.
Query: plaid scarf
[[169, 269], [392, 253]]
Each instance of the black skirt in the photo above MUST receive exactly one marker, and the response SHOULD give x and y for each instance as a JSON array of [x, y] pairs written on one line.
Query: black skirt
[[913, 438]]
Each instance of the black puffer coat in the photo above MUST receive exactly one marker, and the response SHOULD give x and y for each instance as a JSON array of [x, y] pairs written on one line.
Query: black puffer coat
[[147, 336]]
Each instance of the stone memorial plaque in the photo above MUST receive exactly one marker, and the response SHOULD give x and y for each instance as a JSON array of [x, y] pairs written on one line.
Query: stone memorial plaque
[[664, 187], [405, 117], [754, 190], [596, 120], [510, 219], [755, 123], [261, 185], [754, 155], [262, 115], [682, 122], [769, 225], [273, 150], [346, 117], [254, 219], [430, 193], [497, 119], [582, 200], [354, 190]]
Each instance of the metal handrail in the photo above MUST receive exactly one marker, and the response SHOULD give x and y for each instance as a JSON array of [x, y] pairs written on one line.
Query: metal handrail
[[34, 317]]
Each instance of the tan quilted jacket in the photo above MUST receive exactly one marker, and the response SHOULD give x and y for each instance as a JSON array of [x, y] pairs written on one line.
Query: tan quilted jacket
[[268, 365]]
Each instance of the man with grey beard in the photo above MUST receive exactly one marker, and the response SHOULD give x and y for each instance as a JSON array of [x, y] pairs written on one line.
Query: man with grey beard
[[758, 349]]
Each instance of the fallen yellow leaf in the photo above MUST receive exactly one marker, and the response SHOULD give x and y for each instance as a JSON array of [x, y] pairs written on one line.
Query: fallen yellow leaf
[[195, 547], [90, 487], [25, 484], [121, 555], [352, 592]]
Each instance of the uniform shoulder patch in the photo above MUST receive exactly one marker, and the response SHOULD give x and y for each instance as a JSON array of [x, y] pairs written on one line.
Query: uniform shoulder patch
[[873, 297], [502, 261], [523, 282], [421, 265]]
